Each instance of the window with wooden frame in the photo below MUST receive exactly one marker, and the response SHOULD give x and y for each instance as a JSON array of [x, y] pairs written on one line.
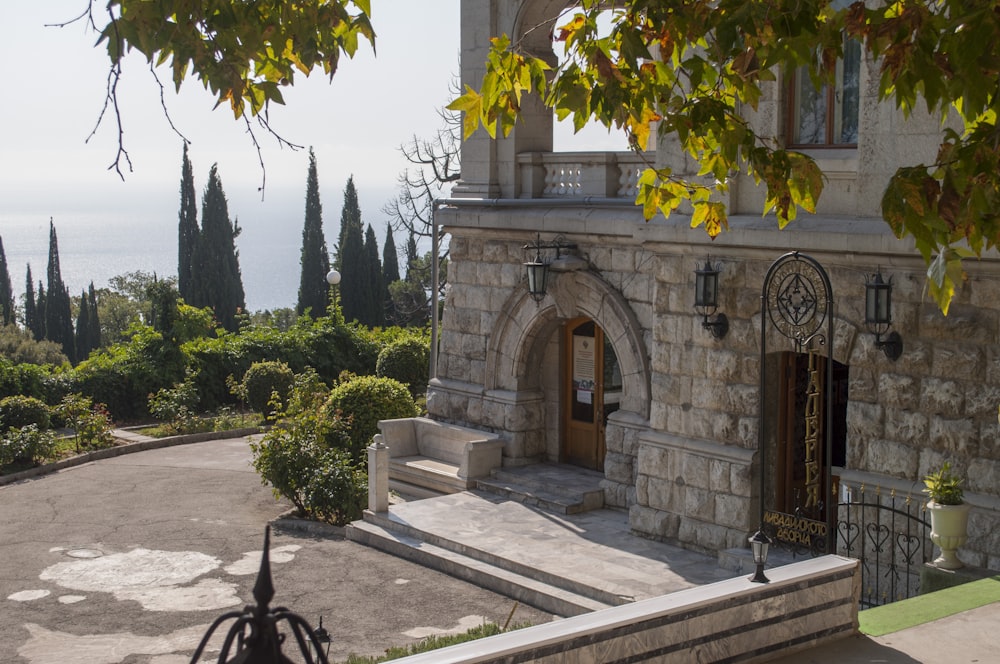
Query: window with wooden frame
[[826, 116]]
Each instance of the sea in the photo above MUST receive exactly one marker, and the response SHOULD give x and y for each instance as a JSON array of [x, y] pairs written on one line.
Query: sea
[[97, 248]]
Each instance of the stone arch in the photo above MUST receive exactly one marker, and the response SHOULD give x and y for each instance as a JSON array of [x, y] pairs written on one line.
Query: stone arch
[[524, 326], [846, 336]]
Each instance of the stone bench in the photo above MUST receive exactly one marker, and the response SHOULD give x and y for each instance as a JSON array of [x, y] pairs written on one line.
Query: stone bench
[[445, 458]]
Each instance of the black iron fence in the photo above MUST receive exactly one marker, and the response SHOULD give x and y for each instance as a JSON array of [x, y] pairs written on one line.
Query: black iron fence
[[890, 535]]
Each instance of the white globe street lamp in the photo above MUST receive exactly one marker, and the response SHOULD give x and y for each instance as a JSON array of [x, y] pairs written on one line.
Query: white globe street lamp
[[333, 277]]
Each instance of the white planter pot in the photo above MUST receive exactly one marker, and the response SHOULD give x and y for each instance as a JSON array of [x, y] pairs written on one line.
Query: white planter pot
[[949, 531]]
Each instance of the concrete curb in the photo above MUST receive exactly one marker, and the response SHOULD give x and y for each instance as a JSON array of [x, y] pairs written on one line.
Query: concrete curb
[[128, 448], [289, 522]]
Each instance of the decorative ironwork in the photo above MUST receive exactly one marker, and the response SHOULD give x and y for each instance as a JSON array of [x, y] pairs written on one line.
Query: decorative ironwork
[[797, 298], [811, 440], [254, 633], [890, 536]]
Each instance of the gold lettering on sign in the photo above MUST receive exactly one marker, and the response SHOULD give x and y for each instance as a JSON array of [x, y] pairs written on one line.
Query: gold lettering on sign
[[811, 441]]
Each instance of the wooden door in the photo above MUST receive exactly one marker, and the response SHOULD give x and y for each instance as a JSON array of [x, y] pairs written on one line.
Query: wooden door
[[591, 391]]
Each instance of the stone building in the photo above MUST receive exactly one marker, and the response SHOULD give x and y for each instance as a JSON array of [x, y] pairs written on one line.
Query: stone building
[[613, 368]]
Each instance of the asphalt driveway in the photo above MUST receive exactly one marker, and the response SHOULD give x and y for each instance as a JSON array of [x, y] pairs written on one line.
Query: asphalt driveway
[[130, 559]]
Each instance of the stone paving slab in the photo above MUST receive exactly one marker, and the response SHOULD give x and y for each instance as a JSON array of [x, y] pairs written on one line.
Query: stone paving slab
[[593, 548]]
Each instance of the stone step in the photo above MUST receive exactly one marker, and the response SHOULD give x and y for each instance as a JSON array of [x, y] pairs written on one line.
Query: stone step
[[380, 533], [555, 489], [426, 472]]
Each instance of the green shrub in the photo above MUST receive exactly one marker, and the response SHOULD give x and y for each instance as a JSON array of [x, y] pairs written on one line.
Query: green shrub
[[295, 458], [26, 445], [262, 382], [364, 400], [176, 406], [125, 374], [19, 411], [408, 361], [90, 422]]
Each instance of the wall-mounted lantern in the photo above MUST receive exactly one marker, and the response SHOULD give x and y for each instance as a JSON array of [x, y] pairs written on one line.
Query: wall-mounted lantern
[[878, 315], [706, 300], [537, 268]]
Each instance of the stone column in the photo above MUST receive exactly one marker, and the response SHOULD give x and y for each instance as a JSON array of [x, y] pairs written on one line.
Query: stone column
[[378, 475]]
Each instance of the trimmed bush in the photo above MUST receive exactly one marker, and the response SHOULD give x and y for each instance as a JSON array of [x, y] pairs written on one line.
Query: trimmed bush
[[17, 411], [408, 361], [364, 400], [296, 459], [264, 379]]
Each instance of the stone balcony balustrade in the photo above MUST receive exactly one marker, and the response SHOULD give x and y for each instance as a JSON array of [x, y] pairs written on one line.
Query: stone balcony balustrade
[[581, 174]]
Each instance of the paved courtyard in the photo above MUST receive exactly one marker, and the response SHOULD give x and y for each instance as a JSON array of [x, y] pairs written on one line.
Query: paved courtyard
[[128, 560]]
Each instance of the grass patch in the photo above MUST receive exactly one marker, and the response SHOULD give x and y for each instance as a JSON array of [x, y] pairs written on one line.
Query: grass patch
[[896, 616], [435, 642]]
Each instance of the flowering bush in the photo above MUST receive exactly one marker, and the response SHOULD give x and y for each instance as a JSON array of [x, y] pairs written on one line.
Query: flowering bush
[[29, 445]]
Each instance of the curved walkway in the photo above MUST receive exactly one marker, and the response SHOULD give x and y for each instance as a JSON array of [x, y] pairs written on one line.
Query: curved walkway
[[130, 558]]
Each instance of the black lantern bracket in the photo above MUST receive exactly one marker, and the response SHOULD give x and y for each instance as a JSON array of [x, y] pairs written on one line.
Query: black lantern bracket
[[538, 267], [706, 300], [254, 638], [878, 315]]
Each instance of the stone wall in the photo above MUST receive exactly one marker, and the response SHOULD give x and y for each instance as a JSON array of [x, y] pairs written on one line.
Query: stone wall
[[499, 361]]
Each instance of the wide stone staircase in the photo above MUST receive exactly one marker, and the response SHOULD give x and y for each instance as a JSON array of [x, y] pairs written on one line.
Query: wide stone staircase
[[538, 534]]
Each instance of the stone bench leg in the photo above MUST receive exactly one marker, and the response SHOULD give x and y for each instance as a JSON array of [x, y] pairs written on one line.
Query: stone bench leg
[[378, 476]]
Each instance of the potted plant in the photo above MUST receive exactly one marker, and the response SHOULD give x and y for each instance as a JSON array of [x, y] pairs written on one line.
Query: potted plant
[[949, 515]]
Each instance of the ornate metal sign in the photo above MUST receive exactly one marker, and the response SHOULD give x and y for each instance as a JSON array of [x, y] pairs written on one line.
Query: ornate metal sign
[[797, 296], [798, 300]]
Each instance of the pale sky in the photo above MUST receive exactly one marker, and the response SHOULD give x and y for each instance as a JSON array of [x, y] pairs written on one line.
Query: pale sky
[[53, 91], [54, 85]]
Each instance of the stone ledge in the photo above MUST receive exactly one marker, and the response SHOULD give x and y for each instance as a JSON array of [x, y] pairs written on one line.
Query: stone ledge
[[698, 446], [806, 603]]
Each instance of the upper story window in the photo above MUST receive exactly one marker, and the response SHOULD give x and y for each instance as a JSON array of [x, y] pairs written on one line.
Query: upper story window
[[827, 116]]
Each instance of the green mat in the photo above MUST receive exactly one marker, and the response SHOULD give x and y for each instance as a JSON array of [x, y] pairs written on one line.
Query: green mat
[[922, 609]]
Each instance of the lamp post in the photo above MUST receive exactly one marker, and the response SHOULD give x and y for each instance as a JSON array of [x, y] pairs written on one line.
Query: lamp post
[[759, 544], [322, 637]]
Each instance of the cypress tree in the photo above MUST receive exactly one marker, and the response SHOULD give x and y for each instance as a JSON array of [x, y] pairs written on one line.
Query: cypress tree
[[315, 261], [187, 226], [411, 259], [58, 312], [94, 333], [374, 311], [352, 274], [40, 307], [30, 315], [350, 219], [6, 291], [390, 273], [83, 347], [215, 266]]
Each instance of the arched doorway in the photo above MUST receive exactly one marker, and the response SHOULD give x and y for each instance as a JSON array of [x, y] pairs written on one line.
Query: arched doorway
[[592, 390]]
